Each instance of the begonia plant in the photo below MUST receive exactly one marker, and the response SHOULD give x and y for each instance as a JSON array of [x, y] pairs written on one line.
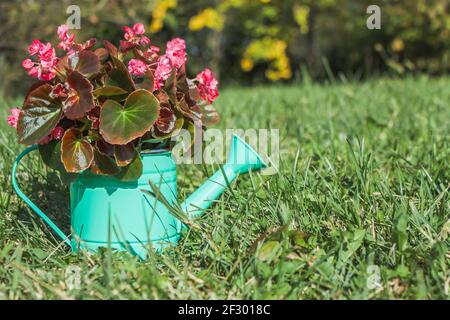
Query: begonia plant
[[98, 107]]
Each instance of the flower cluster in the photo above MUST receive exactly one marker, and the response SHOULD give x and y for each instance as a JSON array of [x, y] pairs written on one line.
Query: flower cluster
[[162, 71], [14, 117], [45, 66], [134, 37], [207, 85], [176, 52], [67, 41], [137, 67], [102, 106]]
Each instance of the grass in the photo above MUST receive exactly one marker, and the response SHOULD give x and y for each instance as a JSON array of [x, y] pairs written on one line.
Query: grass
[[363, 190]]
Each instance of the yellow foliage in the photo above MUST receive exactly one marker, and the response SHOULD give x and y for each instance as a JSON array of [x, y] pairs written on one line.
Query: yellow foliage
[[159, 13], [208, 18], [268, 50], [247, 64], [227, 4], [397, 45], [301, 16]]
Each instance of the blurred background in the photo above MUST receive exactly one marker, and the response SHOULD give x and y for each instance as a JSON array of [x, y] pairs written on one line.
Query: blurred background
[[248, 42]]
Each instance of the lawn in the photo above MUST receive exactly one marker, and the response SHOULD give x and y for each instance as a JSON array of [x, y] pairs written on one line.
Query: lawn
[[359, 209]]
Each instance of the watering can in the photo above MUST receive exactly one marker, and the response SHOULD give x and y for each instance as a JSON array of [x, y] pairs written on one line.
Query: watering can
[[106, 212]]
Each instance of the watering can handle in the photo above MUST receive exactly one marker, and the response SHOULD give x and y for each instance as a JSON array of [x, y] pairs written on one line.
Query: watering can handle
[[27, 200]]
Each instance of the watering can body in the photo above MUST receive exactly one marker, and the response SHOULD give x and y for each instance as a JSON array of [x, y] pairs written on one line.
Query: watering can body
[[106, 212]]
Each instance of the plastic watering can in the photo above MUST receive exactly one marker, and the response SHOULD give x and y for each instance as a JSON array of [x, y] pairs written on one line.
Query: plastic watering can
[[106, 212]]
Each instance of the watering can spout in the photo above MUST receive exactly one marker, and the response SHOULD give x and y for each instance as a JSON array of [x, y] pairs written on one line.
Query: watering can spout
[[241, 159]]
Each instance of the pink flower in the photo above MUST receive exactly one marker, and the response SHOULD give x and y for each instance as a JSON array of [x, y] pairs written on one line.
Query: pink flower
[[30, 67], [35, 72], [145, 41], [134, 36], [47, 76], [27, 64], [14, 117], [138, 28], [67, 41], [176, 51], [57, 133], [154, 49], [45, 67], [151, 53], [207, 85], [162, 71], [34, 47], [137, 67], [62, 31]]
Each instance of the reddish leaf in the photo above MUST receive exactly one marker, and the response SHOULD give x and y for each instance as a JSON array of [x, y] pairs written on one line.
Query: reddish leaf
[[34, 86], [119, 76], [102, 54], [105, 148], [146, 82], [170, 86], [187, 87], [112, 49], [194, 93], [104, 164], [62, 68], [166, 120], [39, 116], [87, 64], [124, 154], [210, 116], [81, 100], [77, 153], [174, 132]]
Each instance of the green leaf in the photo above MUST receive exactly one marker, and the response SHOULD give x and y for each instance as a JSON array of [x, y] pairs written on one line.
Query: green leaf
[[76, 106], [119, 76], [353, 243], [298, 238], [77, 153], [51, 156], [109, 91], [268, 250], [39, 116], [133, 171], [104, 164], [122, 124]]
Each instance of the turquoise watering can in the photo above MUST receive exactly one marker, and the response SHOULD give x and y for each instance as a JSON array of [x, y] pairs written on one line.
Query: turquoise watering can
[[106, 212]]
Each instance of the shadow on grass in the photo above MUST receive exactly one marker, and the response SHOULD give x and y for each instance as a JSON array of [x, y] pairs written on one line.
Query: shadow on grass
[[51, 196]]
